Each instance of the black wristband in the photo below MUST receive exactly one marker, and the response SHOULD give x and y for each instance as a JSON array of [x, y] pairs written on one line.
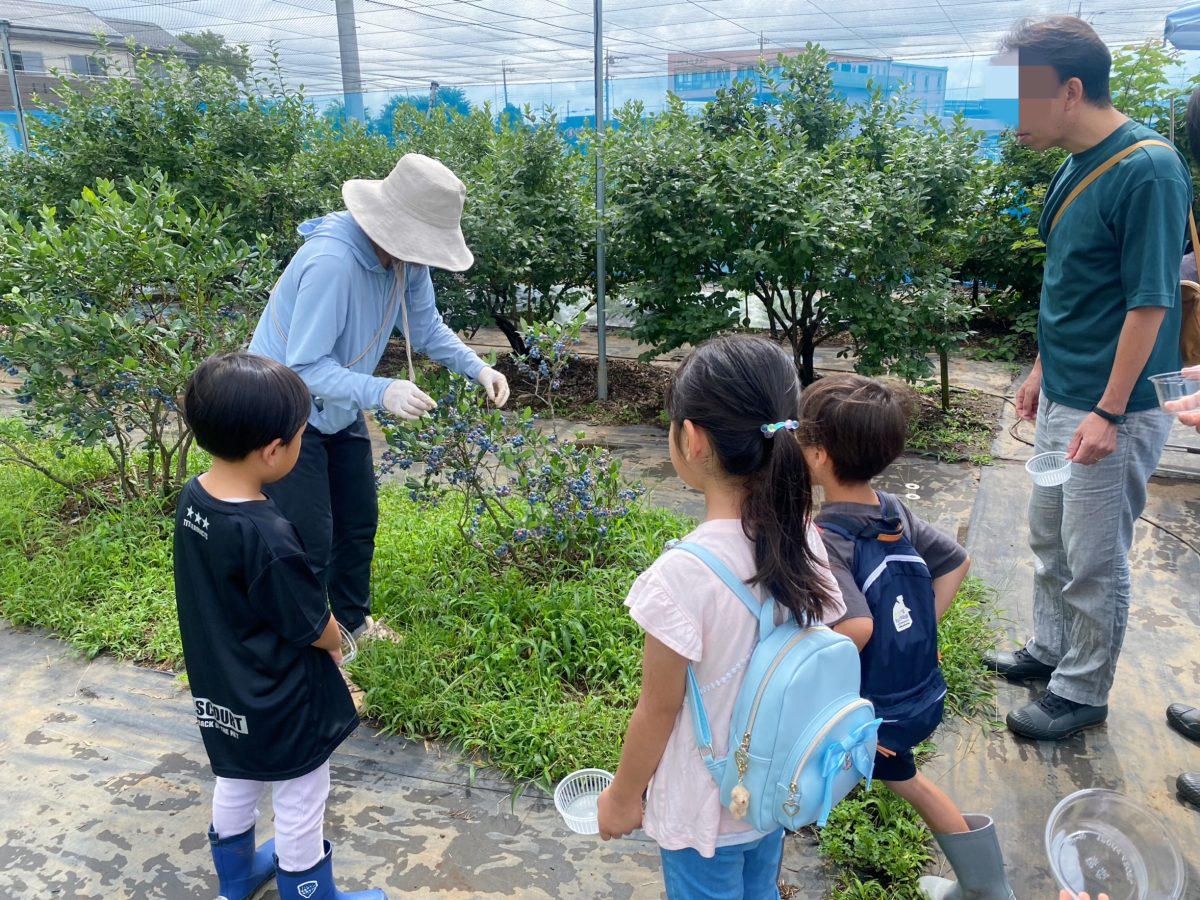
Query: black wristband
[[1107, 416]]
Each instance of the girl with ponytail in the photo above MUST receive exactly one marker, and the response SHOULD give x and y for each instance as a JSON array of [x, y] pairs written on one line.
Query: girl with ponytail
[[734, 405]]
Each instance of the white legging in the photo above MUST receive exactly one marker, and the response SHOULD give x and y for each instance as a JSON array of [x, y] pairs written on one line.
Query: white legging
[[299, 814]]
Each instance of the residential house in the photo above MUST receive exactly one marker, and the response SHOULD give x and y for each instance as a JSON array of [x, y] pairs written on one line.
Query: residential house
[[48, 38]]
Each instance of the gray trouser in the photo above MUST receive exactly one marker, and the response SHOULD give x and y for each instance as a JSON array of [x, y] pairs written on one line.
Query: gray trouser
[[1080, 533]]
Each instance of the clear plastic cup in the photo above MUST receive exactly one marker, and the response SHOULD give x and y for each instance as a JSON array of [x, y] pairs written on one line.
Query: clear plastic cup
[[1183, 387], [575, 799], [1102, 842], [349, 645], [1049, 469]]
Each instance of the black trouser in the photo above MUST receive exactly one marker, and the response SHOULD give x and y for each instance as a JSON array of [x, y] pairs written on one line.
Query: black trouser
[[330, 498]]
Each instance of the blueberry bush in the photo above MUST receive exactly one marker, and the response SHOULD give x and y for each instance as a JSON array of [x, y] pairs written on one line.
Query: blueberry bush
[[550, 349], [526, 495], [106, 316], [250, 144]]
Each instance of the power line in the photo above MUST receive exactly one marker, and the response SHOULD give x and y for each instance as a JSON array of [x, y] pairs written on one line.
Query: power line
[[456, 47]]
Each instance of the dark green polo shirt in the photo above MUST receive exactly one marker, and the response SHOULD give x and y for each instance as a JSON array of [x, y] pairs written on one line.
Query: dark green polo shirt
[[1117, 248]]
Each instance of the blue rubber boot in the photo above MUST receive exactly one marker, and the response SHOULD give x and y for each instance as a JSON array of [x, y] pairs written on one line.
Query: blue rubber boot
[[241, 870], [317, 883]]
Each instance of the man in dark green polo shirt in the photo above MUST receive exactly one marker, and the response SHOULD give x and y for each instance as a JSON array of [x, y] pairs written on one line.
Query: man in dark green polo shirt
[[1109, 317]]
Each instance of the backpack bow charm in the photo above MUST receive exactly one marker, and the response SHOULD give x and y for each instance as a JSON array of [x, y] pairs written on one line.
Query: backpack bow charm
[[857, 749]]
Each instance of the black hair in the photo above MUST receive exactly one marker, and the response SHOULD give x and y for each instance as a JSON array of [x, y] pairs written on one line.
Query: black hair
[[1071, 47], [857, 421], [730, 387], [236, 403]]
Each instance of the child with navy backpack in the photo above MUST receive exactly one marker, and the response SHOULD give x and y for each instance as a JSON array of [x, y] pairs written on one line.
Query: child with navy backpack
[[898, 576], [712, 704]]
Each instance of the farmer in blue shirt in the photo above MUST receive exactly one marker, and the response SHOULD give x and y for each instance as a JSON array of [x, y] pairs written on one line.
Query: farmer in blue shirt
[[360, 274]]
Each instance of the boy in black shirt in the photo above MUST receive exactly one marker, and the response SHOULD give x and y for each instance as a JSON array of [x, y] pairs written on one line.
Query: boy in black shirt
[[898, 576], [261, 647]]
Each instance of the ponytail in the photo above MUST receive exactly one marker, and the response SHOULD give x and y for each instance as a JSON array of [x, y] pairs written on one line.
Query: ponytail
[[732, 387], [776, 518]]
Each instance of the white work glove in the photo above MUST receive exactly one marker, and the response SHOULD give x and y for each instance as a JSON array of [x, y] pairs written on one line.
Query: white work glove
[[494, 384], [406, 400]]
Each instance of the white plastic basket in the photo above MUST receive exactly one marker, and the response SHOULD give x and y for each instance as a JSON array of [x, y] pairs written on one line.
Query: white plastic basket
[[1049, 469], [575, 799]]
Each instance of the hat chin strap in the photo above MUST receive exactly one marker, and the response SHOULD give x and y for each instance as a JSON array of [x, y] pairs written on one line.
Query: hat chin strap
[[402, 276]]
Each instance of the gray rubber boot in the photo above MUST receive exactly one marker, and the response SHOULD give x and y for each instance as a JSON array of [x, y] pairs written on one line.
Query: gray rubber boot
[[977, 861]]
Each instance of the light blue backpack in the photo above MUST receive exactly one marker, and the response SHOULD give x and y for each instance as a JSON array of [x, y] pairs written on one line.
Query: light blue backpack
[[801, 737]]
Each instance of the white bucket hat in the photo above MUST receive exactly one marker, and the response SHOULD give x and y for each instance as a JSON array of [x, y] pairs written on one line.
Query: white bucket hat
[[414, 213]]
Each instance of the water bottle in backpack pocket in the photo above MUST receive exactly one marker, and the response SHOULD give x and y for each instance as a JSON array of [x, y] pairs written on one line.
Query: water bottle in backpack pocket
[[801, 736]]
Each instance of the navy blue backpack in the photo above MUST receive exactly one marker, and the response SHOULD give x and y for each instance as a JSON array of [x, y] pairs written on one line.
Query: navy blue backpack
[[901, 673]]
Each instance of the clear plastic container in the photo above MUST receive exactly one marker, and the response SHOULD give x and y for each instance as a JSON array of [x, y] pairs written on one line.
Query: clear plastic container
[[1103, 842], [349, 646], [575, 799], [1049, 469], [1178, 386]]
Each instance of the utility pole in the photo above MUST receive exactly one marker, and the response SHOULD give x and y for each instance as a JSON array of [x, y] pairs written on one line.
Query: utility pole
[[600, 85], [18, 106], [504, 70], [352, 90], [609, 59], [762, 59]]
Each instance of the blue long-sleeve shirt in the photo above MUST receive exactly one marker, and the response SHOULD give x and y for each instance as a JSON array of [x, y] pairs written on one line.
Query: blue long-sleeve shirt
[[332, 311]]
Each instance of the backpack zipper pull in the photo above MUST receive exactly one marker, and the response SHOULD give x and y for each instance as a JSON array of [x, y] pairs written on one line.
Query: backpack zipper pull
[[791, 808], [739, 797]]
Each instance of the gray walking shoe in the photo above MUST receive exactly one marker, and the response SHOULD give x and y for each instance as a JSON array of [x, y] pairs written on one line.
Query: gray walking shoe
[[1053, 718], [977, 861]]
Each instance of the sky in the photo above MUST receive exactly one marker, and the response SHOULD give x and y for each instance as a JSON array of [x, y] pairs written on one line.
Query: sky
[[545, 47]]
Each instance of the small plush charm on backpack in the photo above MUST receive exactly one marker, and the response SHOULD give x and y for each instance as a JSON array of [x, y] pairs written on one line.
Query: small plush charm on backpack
[[739, 801], [739, 796]]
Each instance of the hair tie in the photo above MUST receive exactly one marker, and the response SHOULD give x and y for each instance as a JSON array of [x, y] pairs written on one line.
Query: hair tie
[[787, 424]]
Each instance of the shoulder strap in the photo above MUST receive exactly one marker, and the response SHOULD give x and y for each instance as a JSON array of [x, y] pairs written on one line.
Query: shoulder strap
[[887, 524], [1101, 170], [843, 526], [764, 612], [1195, 236]]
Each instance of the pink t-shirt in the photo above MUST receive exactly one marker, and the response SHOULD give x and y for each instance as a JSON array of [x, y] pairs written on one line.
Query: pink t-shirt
[[680, 602]]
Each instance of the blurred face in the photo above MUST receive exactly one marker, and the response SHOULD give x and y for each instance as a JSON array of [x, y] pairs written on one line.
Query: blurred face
[[1045, 104]]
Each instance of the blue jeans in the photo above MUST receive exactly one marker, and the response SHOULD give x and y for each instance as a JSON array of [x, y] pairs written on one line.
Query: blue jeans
[[1080, 533], [741, 872]]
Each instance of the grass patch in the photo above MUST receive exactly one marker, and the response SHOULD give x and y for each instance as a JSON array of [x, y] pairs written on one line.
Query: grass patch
[[536, 675], [103, 581], [964, 434]]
